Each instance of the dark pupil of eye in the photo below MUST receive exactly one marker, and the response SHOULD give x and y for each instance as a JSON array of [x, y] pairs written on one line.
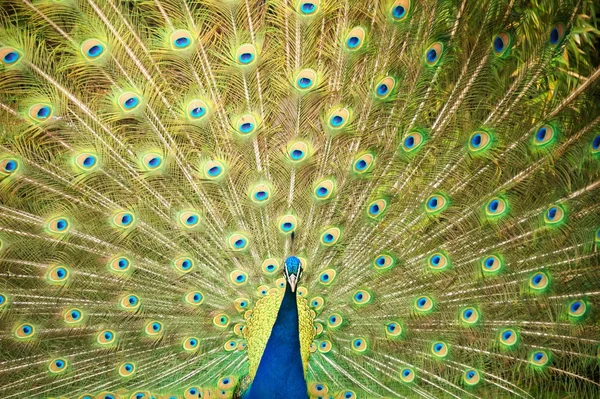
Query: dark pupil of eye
[[431, 55], [554, 35], [498, 44], [433, 202], [374, 208], [596, 142], [382, 89], [94, 50], [537, 279], [308, 7], [476, 140], [196, 297], [541, 134], [410, 141], [304, 82], [552, 213], [182, 41], [399, 11]]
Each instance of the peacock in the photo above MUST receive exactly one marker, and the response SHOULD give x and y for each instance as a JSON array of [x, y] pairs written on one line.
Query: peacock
[[299, 199]]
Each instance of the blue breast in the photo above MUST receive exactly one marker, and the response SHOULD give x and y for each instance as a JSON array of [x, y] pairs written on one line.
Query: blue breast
[[280, 373]]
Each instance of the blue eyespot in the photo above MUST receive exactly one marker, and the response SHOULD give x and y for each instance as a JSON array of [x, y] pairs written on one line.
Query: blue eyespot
[[382, 89], [154, 162], [43, 112], [126, 219], [470, 374], [131, 102], [433, 202], [132, 300], [436, 260], [422, 302], [246, 127], [596, 143], [374, 209], [11, 57], [361, 165], [493, 205], [438, 347], [26, 329], [89, 161], [304, 82], [498, 44], [193, 219], [95, 51], [358, 296], [337, 121], [61, 224], [214, 171], [156, 326], [197, 297], [308, 8], [432, 55], [554, 35], [246, 58], [328, 237], [287, 226], [128, 367], [409, 142], [476, 140], [239, 243], [541, 134], [10, 166], [353, 42], [197, 112], [297, 154], [182, 42], [322, 191], [60, 272], [398, 12]]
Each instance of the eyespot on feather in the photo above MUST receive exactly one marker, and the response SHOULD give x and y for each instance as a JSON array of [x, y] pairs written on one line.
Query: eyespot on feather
[[330, 236], [238, 277], [400, 10], [270, 266], [545, 136], [440, 349], [40, 112], [355, 39], [305, 80], [423, 304], [184, 264], [153, 328], [126, 369], [385, 87], [123, 220], [327, 277], [539, 282], [130, 302], [181, 39], [287, 224], [413, 141], [438, 262], [246, 125], [324, 189], [361, 297], [73, 316], [24, 331], [308, 7], [338, 118], [434, 54], [93, 49], [324, 346], [106, 337], [213, 170], [480, 141], [191, 344], [407, 375], [129, 101], [246, 54], [492, 265], [241, 304], [577, 309], [508, 337], [394, 330], [496, 208], [58, 225], [9, 166], [501, 44], [539, 358], [57, 366], [555, 215], [471, 377], [10, 56], [384, 262], [297, 151], [58, 275], [221, 320], [197, 110], [436, 203], [469, 316], [377, 208], [194, 298], [86, 161], [363, 163], [317, 303], [557, 34]]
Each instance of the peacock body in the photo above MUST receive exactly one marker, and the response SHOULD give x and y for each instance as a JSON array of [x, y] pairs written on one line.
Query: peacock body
[[293, 199]]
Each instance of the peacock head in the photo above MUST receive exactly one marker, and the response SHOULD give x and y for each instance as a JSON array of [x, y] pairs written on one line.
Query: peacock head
[[292, 271]]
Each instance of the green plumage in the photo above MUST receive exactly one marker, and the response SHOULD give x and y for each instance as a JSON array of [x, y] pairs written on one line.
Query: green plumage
[[434, 165]]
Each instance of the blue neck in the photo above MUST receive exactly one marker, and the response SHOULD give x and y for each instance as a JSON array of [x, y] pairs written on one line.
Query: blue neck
[[280, 373]]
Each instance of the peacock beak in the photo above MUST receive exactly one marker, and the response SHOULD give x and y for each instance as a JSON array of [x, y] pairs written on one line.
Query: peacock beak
[[292, 280]]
